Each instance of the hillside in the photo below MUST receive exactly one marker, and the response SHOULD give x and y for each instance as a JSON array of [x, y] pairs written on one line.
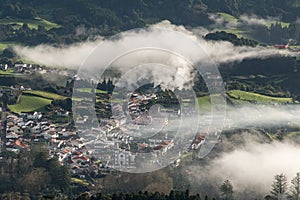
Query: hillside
[[34, 22]]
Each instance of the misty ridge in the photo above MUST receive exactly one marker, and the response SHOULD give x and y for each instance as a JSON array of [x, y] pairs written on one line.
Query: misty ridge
[[72, 56], [248, 161]]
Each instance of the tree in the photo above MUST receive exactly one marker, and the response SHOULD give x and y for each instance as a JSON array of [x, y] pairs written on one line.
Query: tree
[[8, 53], [36, 181], [279, 187], [295, 188], [226, 190]]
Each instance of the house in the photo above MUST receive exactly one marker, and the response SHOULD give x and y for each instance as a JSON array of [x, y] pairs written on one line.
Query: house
[[143, 120], [142, 147], [12, 135], [4, 67], [162, 147], [198, 140], [62, 113], [20, 145], [80, 159], [35, 116]]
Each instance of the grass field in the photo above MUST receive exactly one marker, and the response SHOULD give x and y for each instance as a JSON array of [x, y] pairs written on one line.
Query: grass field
[[79, 181], [33, 24], [293, 134], [43, 94], [29, 104], [241, 32], [227, 17], [204, 104], [283, 24], [231, 19], [4, 45], [259, 98], [8, 72], [88, 90], [238, 97]]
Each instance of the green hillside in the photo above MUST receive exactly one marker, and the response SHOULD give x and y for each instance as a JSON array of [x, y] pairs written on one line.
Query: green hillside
[[32, 23], [34, 100], [254, 97], [4, 45], [29, 104], [204, 104], [239, 97], [43, 94]]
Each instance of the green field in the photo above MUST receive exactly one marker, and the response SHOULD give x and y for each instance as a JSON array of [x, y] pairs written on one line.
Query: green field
[[259, 98], [43, 94], [204, 104], [4, 45], [33, 24], [241, 32], [8, 72], [283, 24], [29, 104], [79, 181], [88, 90], [238, 97], [227, 17], [293, 134]]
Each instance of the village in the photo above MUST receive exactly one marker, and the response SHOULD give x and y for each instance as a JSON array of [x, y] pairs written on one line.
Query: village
[[134, 137]]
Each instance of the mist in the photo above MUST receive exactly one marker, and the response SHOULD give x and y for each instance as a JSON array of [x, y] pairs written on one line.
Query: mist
[[250, 167], [72, 56], [243, 20]]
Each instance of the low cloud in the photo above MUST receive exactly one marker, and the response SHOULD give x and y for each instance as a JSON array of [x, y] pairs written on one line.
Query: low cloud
[[72, 56], [251, 20], [250, 167]]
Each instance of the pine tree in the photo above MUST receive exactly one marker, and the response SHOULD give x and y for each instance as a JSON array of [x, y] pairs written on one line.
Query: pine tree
[[226, 190], [295, 188], [279, 187]]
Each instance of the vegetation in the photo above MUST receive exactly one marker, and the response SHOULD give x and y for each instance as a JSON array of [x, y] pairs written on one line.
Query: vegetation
[[43, 94], [32, 23], [7, 72], [228, 17], [279, 187], [26, 21], [294, 192], [4, 45], [29, 104], [32, 172], [226, 190], [61, 22], [204, 104], [259, 98], [222, 35]]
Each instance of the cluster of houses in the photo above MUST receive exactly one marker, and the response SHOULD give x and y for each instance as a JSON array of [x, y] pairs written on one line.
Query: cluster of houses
[[26, 129], [137, 107], [118, 142], [24, 68]]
